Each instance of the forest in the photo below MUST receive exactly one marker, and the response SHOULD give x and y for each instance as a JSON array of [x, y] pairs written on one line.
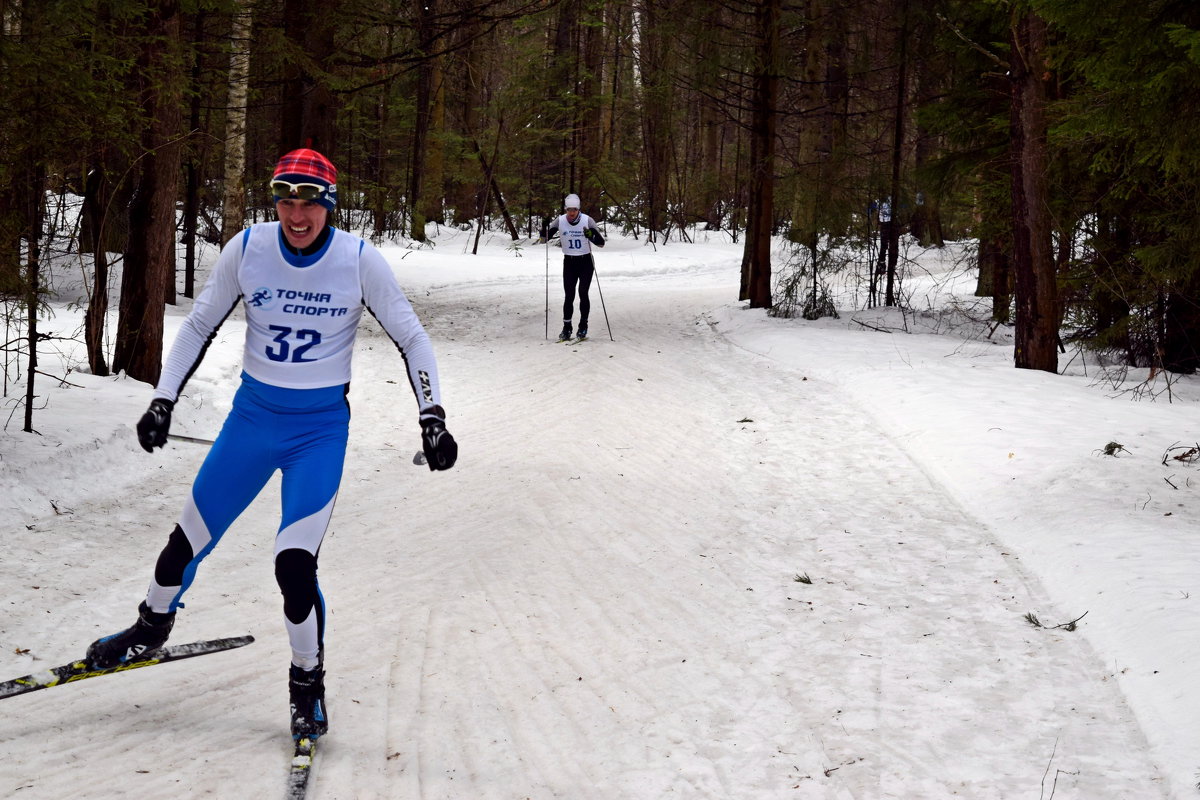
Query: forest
[[1057, 136]]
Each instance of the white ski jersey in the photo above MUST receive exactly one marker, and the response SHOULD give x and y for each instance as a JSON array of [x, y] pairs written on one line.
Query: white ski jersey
[[574, 241], [301, 322]]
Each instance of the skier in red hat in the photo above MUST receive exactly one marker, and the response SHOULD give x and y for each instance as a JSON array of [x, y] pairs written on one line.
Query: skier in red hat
[[303, 285]]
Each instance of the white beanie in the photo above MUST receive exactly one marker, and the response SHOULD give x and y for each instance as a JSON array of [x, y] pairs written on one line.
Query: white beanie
[[572, 201]]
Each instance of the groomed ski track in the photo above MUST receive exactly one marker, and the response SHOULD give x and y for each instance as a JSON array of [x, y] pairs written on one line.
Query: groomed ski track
[[598, 603]]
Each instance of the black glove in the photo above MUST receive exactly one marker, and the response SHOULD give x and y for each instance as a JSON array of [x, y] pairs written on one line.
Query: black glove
[[441, 451], [153, 426], [595, 237]]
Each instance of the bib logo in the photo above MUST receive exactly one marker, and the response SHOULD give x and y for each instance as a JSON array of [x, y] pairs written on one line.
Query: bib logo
[[321, 303], [262, 298]]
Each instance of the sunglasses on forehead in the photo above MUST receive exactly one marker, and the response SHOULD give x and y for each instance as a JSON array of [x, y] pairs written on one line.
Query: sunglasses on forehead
[[303, 191]]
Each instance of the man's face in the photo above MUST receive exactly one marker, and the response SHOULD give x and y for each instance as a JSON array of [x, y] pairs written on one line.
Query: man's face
[[302, 220], [572, 215]]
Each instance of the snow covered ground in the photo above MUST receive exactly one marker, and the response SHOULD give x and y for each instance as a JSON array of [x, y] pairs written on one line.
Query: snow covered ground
[[721, 555]]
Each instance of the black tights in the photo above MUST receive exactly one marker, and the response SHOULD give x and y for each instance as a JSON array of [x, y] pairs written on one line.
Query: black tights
[[577, 269]]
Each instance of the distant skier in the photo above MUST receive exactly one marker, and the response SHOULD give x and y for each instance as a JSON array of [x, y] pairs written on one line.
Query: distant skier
[[885, 234], [579, 234], [303, 286]]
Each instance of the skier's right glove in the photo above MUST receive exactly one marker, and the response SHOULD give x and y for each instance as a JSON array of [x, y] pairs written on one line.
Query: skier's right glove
[[153, 426], [441, 451]]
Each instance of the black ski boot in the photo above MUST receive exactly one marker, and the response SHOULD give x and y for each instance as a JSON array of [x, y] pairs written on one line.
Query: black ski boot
[[582, 331], [307, 690], [135, 643], [566, 332]]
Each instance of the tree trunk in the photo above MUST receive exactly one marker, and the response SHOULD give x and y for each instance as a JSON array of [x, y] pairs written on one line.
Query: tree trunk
[[588, 116], [36, 212], [705, 204], [468, 193], [995, 278], [657, 106], [435, 144], [194, 167], [928, 79], [892, 231], [104, 223], [551, 156], [756, 259], [233, 217], [1112, 243], [95, 205], [423, 13], [150, 258], [381, 165], [619, 80], [309, 109], [1033, 256], [490, 180], [1181, 327]]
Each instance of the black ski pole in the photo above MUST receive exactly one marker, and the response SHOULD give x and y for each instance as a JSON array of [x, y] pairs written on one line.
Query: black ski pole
[[600, 291], [192, 439]]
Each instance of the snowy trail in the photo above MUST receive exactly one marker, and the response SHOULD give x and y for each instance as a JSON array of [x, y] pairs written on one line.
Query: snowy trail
[[578, 624], [598, 602]]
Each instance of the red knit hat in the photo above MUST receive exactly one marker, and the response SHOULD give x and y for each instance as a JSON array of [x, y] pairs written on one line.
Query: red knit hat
[[309, 166]]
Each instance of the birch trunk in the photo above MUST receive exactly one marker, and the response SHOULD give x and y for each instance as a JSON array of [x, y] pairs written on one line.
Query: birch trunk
[[234, 216]]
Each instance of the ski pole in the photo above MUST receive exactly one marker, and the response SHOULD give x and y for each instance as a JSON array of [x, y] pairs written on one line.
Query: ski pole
[[596, 273], [547, 286], [191, 439]]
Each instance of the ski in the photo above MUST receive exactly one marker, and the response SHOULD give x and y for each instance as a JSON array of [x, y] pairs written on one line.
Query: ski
[[79, 670], [302, 768]]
